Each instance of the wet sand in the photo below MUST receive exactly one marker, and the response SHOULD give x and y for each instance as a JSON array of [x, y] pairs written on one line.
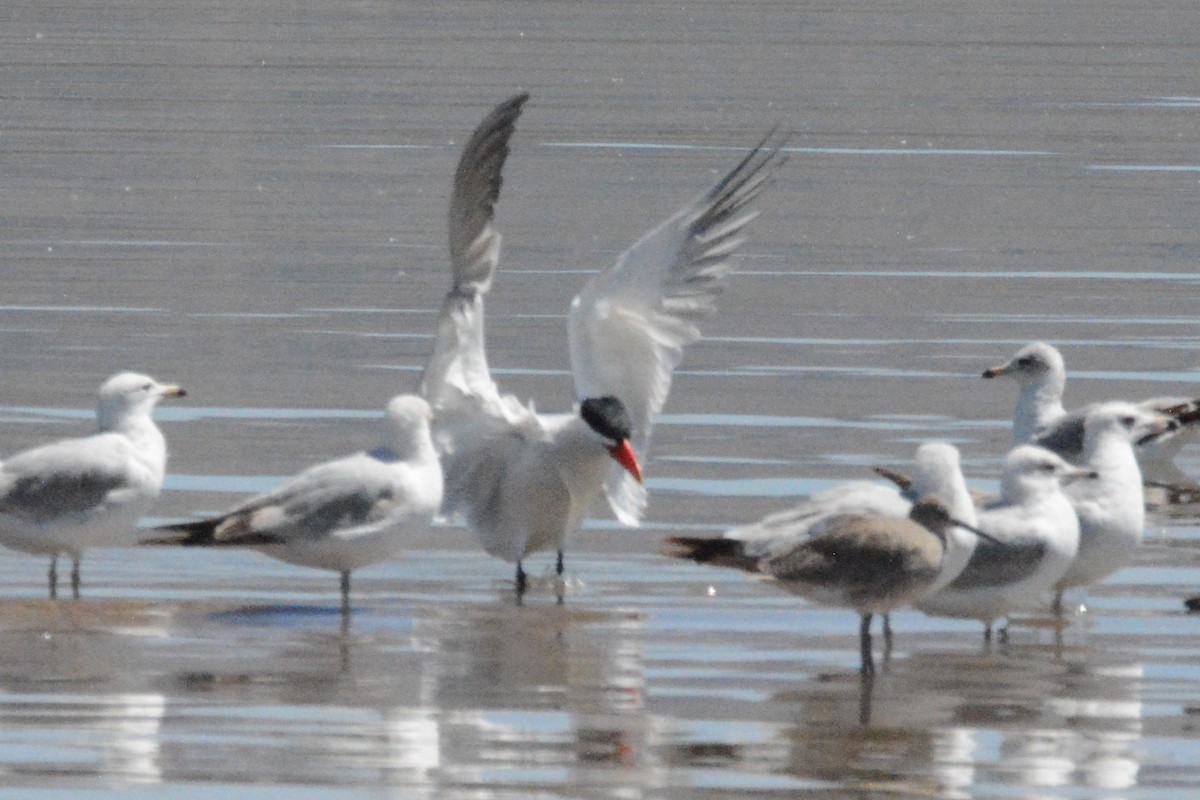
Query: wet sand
[[249, 199]]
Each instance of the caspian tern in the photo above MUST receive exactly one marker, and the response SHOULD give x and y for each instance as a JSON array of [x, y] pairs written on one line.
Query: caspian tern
[[870, 562], [524, 480], [339, 515], [88, 492]]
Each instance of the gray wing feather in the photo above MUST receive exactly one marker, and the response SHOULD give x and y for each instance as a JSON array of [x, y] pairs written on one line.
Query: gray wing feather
[[995, 564], [327, 498], [628, 326], [71, 476], [1065, 437], [474, 242], [458, 371]]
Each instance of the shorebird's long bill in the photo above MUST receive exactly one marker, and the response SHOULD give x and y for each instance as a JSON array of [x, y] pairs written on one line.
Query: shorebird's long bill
[[624, 455], [977, 532]]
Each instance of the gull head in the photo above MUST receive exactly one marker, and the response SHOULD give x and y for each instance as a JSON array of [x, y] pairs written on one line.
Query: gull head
[[1030, 470], [1033, 363], [127, 395], [1125, 421], [939, 472], [608, 419]]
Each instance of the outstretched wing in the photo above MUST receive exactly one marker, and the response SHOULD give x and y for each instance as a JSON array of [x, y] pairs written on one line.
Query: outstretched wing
[[458, 372], [629, 325]]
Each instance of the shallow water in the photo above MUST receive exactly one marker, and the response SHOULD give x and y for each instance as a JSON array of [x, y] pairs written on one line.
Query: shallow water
[[249, 199]]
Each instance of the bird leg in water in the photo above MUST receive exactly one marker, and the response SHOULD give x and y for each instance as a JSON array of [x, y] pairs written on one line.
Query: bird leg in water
[[522, 582], [75, 559], [864, 643], [865, 690], [54, 577], [1057, 605], [558, 568], [346, 594], [887, 635]]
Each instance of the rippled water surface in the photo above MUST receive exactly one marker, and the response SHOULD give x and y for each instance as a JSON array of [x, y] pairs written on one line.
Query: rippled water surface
[[249, 199]]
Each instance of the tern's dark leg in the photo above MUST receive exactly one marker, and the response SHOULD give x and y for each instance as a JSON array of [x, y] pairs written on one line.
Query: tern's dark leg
[[75, 559], [987, 633], [887, 633], [522, 581], [1057, 605], [864, 644], [54, 577], [345, 594]]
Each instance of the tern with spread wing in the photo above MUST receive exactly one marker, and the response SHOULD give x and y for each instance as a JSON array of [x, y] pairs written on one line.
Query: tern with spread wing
[[340, 515], [523, 480], [88, 492]]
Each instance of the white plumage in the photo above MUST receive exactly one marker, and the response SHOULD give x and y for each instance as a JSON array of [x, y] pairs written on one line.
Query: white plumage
[[1040, 417], [343, 514], [523, 480], [87, 492], [1035, 537]]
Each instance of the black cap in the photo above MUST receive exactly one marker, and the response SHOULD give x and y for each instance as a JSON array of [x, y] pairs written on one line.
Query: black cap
[[607, 416]]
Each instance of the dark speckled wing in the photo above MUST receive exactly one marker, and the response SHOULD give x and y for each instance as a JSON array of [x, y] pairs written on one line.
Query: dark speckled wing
[[862, 555]]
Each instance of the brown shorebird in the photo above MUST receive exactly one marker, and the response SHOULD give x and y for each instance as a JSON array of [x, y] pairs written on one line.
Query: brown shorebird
[[871, 563]]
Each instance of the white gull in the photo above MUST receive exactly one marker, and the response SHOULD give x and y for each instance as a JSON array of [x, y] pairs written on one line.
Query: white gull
[[339, 515], [88, 492]]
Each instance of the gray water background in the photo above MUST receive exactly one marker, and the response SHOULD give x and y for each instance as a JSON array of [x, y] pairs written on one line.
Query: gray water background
[[249, 198]]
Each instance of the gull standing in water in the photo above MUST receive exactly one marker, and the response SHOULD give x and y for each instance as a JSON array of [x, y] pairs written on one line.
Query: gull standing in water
[[1111, 508], [340, 515], [523, 480], [1040, 371], [869, 562], [938, 472], [88, 492], [1034, 537]]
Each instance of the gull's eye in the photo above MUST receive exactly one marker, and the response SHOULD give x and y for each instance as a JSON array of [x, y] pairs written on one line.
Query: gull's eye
[[1128, 422], [1026, 361], [147, 387], [1049, 466]]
